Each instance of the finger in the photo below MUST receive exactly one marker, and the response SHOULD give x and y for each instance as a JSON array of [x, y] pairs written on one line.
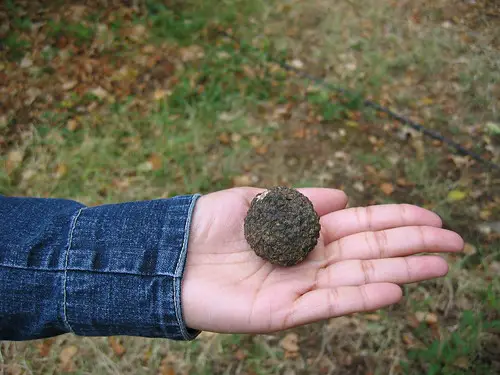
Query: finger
[[328, 303], [395, 242], [325, 200], [372, 218], [395, 270]]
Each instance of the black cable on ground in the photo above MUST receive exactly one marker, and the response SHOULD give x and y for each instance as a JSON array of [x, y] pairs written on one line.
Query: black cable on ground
[[369, 103]]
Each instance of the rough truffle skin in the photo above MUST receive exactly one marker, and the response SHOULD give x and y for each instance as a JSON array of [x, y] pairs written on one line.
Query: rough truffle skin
[[281, 226]]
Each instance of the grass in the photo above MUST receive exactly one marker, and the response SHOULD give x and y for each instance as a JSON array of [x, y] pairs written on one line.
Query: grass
[[219, 112]]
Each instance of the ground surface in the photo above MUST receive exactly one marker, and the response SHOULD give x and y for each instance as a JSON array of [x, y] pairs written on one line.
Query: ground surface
[[126, 100]]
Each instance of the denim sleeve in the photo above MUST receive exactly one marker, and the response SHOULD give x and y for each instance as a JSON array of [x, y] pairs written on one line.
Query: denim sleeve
[[95, 271]]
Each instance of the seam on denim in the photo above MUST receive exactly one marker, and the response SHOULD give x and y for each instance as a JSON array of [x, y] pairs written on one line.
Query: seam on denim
[[181, 261], [68, 248], [87, 271]]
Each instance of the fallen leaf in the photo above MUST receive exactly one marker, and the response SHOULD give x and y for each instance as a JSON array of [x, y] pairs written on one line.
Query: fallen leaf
[[240, 355], [243, 180], [191, 53], [116, 346], [485, 214], [26, 62], [299, 134], [456, 195], [469, 249], [249, 72], [387, 188], [401, 181], [297, 64], [262, 150], [462, 362], [61, 170], [159, 94], [352, 124], [66, 358], [426, 101], [358, 186], [71, 125], [45, 346], [372, 317], [429, 318], [408, 339], [99, 92], [137, 33], [290, 343], [166, 370], [229, 116], [255, 141], [68, 85], [156, 161], [14, 159], [235, 137], [224, 138]]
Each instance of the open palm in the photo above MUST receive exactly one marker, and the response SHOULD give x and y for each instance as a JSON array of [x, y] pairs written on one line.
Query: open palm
[[362, 256]]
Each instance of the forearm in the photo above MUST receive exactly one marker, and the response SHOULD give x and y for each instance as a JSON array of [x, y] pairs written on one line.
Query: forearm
[[107, 270]]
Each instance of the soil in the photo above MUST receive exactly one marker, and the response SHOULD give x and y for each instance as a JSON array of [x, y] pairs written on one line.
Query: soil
[[281, 226]]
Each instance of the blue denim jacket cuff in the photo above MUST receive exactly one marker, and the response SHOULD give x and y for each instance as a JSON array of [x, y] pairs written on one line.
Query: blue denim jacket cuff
[[124, 266]]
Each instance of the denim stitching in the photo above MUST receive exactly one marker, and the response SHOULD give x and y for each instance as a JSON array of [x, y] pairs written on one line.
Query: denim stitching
[[179, 271], [70, 240]]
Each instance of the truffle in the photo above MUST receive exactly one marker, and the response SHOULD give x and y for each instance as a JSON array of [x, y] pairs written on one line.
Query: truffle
[[281, 226]]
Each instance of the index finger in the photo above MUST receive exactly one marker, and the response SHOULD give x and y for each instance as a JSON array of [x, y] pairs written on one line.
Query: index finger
[[343, 223]]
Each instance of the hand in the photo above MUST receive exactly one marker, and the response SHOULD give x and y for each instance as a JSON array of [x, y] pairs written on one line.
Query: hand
[[362, 257]]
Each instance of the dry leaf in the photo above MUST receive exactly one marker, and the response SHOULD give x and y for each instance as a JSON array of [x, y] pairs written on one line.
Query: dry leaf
[[290, 343], [462, 362], [235, 137], [297, 64], [469, 249], [299, 134], [249, 72], [456, 195], [426, 101], [485, 214], [61, 170], [243, 180], [387, 188], [262, 150], [240, 355], [44, 347], [68, 85], [358, 186], [71, 125], [116, 346], [99, 92], [352, 124], [429, 318], [408, 339], [224, 138], [159, 94], [401, 181], [191, 53], [66, 358], [372, 317], [255, 141], [14, 159], [26, 62], [156, 161]]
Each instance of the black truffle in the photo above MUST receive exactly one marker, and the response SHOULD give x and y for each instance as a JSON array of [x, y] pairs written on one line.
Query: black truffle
[[281, 226]]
